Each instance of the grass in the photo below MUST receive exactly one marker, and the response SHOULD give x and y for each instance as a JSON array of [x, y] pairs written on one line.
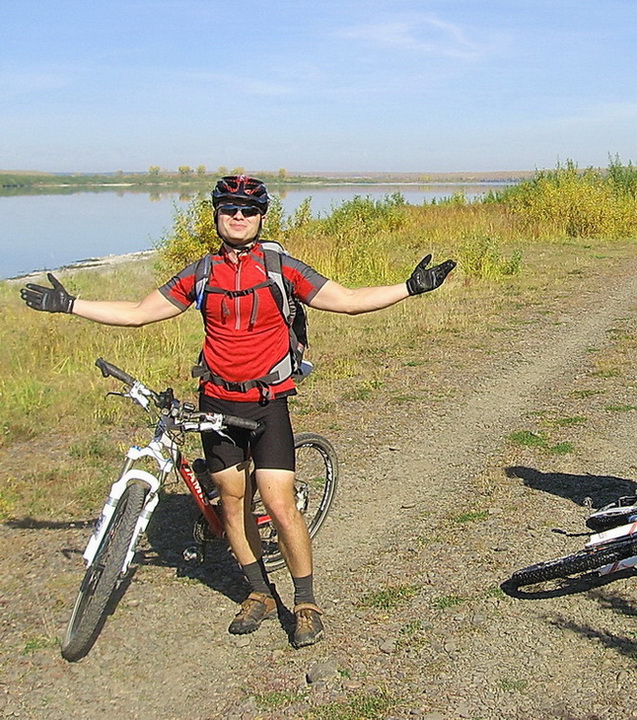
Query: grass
[[40, 642], [278, 699], [362, 706], [448, 601], [540, 441], [389, 598], [57, 425], [472, 516], [513, 685]]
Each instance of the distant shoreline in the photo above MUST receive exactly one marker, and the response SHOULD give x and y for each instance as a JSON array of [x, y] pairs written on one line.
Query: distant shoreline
[[87, 264], [34, 183]]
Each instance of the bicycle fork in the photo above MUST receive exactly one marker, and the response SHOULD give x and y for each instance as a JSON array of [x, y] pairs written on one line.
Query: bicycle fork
[[129, 476]]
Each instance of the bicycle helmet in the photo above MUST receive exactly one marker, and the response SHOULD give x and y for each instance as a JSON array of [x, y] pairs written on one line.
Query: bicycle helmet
[[240, 190]]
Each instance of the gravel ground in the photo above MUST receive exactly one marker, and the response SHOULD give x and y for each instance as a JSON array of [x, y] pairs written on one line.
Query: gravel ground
[[436, 507]]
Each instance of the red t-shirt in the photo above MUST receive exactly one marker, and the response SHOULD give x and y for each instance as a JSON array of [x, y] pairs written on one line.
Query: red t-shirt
[[247, 335]]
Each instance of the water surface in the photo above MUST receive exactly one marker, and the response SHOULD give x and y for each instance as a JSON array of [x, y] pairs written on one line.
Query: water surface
[[48, 231]]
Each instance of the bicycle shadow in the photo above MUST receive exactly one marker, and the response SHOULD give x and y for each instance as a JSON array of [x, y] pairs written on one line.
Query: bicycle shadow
[[601, 489], [29, 523], [615, 604], [169, 533]]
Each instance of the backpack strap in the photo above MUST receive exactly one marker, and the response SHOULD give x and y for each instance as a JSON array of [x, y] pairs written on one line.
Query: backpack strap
[[202, 275], [279, 372], [272, 252]]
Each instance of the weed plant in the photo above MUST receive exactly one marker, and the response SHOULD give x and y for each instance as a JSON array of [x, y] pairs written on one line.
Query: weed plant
[[567, 202]]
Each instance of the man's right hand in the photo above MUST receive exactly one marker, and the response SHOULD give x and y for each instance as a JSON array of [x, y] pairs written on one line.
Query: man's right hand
[[54, 299], [425, 278]]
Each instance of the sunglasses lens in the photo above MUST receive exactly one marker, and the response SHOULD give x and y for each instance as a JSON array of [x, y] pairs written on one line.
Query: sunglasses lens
[[234, 209]]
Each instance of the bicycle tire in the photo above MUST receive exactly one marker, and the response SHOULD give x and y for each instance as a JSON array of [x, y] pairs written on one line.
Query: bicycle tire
[[612, 515], [601, 523], [102, 576], [315, 484], [582, 561]]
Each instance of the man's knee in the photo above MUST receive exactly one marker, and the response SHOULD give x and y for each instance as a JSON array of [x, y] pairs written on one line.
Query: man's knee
[[283, 511]]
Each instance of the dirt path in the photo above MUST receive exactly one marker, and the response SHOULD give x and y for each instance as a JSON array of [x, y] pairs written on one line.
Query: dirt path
[[436, 508]]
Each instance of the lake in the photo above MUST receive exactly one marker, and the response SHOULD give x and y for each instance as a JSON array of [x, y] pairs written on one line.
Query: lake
[[48, 231]]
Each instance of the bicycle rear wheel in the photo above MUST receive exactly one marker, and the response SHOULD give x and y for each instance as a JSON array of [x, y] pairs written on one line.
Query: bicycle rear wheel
[[613, 515], [585, 560], [315, 486], [102, 576]]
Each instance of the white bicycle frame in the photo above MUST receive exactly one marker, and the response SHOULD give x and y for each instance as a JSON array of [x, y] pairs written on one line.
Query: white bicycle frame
[[614, 534], [162, 440]]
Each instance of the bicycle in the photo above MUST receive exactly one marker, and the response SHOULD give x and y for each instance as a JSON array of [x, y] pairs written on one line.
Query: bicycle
[[134, 496], [611, 547]]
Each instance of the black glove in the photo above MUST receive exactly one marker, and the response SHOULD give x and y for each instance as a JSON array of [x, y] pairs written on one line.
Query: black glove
[[424, 279], [54, 299]]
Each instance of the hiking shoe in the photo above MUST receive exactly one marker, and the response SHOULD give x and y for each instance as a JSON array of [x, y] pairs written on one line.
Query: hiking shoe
[[256, 608], [309, 628]]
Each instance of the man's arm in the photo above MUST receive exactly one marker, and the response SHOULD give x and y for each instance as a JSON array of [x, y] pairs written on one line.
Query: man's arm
[[56, 299], [336, 298], [152, 308]]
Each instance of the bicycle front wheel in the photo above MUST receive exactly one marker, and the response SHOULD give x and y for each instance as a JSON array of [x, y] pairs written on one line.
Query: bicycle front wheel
[[315, 485], [102, 576], [585, 560]]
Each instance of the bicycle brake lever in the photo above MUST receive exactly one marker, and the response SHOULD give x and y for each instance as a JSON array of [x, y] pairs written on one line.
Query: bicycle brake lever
[[121, 394]]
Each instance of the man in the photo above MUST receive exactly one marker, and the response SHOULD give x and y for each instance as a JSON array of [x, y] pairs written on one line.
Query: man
[[243, 372]]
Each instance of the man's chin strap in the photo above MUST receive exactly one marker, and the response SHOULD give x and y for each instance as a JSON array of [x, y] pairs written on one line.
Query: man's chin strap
[[240, 249]]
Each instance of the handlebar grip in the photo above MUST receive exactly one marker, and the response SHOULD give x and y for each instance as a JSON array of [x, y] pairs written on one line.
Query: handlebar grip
[[243, 423], [112, 370]]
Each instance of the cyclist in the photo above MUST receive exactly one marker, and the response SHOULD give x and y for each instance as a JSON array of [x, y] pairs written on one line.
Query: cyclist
[[246, 335]]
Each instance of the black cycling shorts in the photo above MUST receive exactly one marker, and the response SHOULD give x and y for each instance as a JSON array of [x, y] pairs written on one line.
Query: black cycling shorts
[[273, 449]]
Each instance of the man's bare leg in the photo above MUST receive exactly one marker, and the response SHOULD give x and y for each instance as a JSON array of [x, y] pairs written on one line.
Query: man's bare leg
[[235, 493]]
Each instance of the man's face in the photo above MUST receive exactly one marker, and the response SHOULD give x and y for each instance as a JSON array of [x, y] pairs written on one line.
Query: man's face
[[238, 226]]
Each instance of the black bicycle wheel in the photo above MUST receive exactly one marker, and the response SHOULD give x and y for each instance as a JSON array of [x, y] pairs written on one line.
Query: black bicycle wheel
[[315, 486], [585, 560], [613, 515], [102, 576]]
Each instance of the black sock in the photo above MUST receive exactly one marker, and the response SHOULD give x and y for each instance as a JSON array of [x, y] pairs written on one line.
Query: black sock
[[303, 589], [257, 577]]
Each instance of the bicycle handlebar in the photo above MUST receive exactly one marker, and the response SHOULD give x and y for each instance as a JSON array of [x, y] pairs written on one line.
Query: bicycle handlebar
[[243, 423], [110, 369]]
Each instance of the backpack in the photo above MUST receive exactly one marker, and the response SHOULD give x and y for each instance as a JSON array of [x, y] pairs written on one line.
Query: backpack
[[291, 308]]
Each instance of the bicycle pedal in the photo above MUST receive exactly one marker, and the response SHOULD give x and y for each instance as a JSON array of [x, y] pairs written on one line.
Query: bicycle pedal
[[193, 554]]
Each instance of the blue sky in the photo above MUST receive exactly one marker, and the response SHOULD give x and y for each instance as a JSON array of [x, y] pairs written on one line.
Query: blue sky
[[334, 85]]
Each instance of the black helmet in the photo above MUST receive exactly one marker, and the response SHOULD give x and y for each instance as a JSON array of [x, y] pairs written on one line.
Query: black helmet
[[240, 190]]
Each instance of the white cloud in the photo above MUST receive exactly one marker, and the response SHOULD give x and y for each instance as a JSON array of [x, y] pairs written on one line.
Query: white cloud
[[424, 34]]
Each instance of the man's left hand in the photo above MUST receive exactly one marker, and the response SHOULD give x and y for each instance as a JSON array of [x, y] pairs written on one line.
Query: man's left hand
[[53, 299], [424, 279]]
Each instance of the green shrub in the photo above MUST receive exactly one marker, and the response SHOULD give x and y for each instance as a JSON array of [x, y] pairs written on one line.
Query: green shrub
[[567, 202], [481, 257]]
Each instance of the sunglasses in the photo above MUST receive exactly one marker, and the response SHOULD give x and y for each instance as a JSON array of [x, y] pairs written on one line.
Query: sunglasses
[[232, 210]]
